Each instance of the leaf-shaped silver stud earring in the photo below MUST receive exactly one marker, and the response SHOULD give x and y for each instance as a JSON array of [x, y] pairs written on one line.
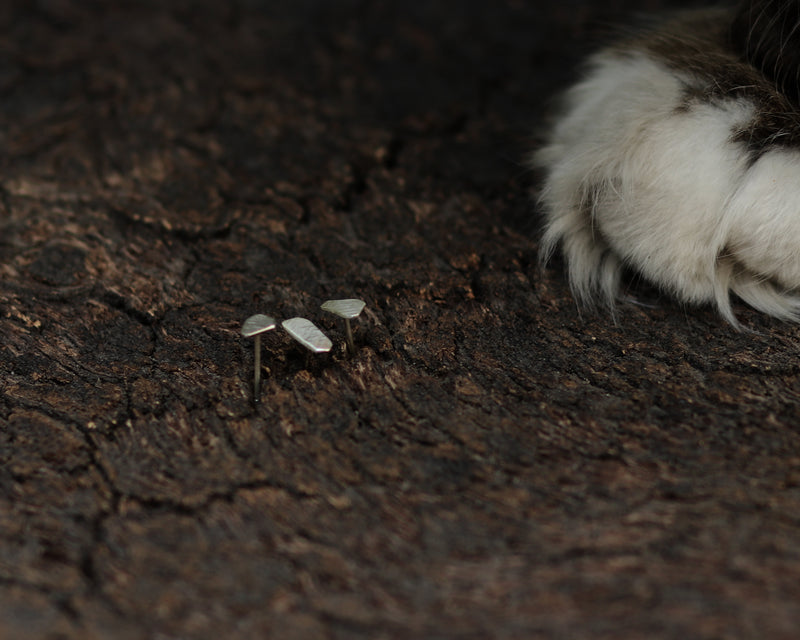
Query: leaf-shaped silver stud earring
[[348, 309], [254, 326], [307, 334]]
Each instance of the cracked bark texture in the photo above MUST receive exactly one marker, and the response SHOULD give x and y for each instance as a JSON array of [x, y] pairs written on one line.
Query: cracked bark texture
[[490, 464]]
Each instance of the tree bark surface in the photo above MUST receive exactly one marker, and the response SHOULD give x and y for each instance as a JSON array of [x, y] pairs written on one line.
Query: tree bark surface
[[490, 464]]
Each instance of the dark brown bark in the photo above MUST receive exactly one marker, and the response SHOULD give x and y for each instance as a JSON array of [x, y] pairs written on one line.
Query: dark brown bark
[[490, 464]]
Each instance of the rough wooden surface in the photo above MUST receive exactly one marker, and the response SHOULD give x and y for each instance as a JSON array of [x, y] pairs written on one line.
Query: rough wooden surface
[[490, 464]]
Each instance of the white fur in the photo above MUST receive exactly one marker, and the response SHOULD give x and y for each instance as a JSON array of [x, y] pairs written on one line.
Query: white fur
[[637, 176]]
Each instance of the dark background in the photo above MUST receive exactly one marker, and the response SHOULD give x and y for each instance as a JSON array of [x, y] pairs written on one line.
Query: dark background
[[491, 463]]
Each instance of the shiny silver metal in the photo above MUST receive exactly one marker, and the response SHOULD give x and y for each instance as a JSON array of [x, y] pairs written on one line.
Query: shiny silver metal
[[307, 334], [254, 326], [348, 309]]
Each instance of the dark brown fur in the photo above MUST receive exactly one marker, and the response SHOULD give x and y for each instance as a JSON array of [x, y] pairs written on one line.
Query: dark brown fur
[[707, 47], [766, 33]]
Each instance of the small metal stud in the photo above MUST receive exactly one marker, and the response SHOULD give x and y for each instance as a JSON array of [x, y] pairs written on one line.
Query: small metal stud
[[254, 326], [307, 334], [347, 309]]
